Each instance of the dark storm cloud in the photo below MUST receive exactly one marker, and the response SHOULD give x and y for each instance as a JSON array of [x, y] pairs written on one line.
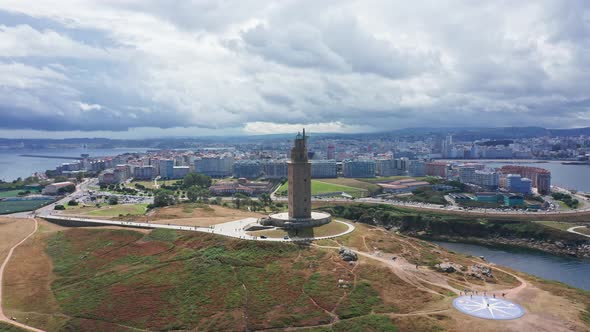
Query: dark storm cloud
[[338, 45], [339, 64]]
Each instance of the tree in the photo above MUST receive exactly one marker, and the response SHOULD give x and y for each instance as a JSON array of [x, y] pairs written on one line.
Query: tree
[[265, 199], [79, 177], [113, 200], [72, 202], [59, 207], [196, 179], [195, 193], [239, 198], [164, 197], [256, 206], [67, 189], [31, 180], [60, 178]]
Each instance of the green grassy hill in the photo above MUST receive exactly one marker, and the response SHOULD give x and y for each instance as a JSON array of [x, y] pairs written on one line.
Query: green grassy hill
[[88, 279], [165, 280]]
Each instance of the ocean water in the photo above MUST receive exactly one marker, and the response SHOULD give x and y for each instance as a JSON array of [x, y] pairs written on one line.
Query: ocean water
[[13, 165], [569, 270]]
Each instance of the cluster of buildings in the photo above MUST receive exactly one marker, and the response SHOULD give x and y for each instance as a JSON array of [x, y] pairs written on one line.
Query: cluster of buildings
[[512, 178], [350, 168], [338, 157]]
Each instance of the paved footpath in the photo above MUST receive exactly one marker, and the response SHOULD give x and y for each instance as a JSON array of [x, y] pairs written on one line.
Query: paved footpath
[[233, 229], [573, 230]]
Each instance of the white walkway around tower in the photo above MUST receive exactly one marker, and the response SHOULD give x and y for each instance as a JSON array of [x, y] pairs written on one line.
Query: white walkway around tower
[[233, 229]]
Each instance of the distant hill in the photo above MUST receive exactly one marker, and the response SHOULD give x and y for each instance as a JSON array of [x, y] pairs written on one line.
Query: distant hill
[[459, 133]]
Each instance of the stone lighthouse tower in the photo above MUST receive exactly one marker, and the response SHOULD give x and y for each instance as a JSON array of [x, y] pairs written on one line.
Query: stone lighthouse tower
[[299, 180], [300, 214]]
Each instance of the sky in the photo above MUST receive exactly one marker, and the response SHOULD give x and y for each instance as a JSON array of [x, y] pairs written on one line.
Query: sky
[[151, 68]]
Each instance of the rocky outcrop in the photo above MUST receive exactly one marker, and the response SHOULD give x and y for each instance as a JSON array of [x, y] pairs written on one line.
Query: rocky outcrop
[[448, 267], [347, 254], [480, 272]]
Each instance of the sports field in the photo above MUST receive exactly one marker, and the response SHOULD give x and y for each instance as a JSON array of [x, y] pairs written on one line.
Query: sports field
[[14, 193], [321, 187], [21, 206], [392, 178]]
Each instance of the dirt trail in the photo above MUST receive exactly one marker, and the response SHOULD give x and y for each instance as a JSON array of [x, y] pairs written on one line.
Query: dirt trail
[[402, 269], [511, 292], [417, 277], [2, 316]]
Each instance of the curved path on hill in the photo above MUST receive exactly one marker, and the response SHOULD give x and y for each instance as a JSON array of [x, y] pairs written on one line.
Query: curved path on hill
[[2, 316], [418, 277], [233, 229], [573, 230], [407, 272]]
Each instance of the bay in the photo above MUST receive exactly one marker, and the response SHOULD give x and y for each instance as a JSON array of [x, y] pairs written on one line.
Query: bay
[[13, 165], [569, 270]]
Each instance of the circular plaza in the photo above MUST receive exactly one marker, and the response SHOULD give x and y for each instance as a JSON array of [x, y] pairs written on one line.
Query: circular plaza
[[488, 307]]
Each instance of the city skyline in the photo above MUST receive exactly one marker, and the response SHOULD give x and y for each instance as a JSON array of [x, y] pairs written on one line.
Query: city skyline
[[139, 69]]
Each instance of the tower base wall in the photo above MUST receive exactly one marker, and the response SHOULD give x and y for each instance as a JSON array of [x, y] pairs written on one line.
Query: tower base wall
[[283, 220]]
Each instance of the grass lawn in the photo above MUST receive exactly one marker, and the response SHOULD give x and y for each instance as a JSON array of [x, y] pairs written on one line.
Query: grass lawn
[[147, 184], [426, 195], [332, 228], [107, 210], [558, 225], [562, 205], [583, 230], [321, 187]]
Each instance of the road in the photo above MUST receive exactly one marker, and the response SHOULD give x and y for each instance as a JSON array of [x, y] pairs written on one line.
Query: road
[[475, 211], [6, 260]]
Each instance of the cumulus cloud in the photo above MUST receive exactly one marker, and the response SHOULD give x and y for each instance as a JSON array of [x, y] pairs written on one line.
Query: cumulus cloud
[[24, 41], [90, 107], [260, 65]]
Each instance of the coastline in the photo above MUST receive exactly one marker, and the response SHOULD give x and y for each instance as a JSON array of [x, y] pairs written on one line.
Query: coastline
[[557, 248]]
